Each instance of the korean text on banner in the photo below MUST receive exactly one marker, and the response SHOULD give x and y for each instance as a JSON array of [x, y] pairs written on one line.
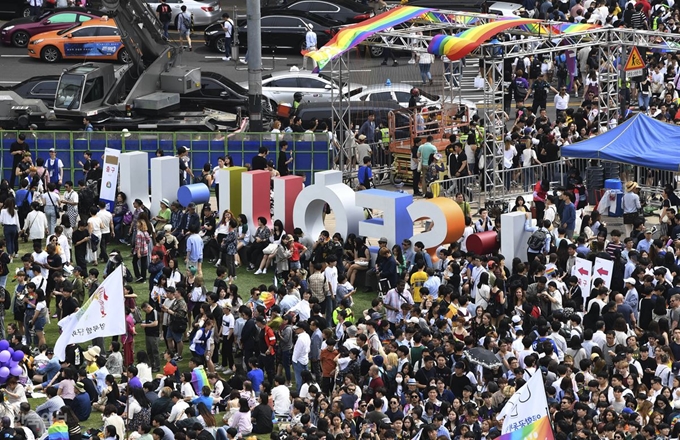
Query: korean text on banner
[[100, 316], [603, 269], [583, 270], [527, 407], [107, 193]]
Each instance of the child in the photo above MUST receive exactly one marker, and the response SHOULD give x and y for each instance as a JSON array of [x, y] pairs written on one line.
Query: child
[[86, 164]]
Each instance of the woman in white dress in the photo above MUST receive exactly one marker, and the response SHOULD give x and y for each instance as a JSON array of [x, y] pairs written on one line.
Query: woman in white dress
[[95, 227]]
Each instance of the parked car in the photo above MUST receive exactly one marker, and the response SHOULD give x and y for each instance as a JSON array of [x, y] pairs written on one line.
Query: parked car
[[284, 30], [345, 11], [219, 93], [91, 40], [15, 8], [19, 31], [38, 87], [204, 12], [401, 93], [280, 87]]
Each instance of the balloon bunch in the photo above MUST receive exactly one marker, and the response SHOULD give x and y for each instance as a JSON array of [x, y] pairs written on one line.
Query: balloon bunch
[[9, 361]]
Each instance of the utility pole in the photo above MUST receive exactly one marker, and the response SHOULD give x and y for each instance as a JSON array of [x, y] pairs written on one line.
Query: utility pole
[[254, 66]]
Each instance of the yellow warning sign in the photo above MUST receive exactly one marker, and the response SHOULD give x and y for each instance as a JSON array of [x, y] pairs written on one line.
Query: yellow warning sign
[[635, 61]]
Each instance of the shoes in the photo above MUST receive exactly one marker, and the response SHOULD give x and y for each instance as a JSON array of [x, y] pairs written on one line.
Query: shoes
[[258, 272], [226, 58], [264, 270], [140, 280], [417, 194], [250, 268], [395, 64], [217, 263], [191, 49], [384, 63], [411, 61], [54, 316], [431, 82]]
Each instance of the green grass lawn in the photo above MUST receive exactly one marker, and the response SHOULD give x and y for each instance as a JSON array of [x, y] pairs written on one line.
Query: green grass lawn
[[245, 280]]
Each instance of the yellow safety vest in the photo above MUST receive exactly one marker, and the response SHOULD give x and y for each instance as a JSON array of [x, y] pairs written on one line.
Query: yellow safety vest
[[385, 134]]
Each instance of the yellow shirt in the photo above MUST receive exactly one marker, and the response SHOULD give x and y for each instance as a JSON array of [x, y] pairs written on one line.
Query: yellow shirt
[[91, 367], [417, 280]]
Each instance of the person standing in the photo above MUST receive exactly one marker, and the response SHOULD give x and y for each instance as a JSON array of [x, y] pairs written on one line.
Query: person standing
[[184, 26], [568, 216], [310, 44], [9, 218], [140, 258], [301, 351], [164, 13], [415, 166], [17, 150], [228, 27], [631, 206], [70, 200], [35, 7], [55, 169], [151, 326], [425, 63], [107, 230]]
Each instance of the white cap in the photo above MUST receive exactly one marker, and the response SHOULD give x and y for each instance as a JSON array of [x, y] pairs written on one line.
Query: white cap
[[629, 280], [516, 319]]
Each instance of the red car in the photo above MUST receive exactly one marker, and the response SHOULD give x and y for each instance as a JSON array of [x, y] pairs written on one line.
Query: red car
[[18, 32]]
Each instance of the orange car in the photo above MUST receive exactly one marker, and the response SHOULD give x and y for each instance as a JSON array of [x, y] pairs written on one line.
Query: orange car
[[92, 40]]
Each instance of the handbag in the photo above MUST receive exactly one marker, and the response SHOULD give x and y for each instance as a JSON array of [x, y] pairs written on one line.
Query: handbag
[[270, 249], [479, 82]]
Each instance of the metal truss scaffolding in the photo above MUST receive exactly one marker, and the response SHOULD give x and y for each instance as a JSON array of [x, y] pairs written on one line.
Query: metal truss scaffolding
[[340, 117], [612, 46]]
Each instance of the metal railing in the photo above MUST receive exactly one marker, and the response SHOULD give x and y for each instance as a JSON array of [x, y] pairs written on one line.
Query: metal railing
[[310, 151]]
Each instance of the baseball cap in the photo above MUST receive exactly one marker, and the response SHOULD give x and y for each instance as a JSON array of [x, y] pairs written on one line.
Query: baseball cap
[[261, 320], [382, 240], [630, 280], [516, 319], [459, 365]]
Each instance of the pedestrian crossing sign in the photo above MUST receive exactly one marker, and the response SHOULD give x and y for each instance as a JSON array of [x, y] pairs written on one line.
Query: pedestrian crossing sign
[[635, 61]]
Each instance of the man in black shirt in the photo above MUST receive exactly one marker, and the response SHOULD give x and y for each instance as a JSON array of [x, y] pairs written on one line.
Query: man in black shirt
[[69, 305], [415, 166], [260, 161], [459, 380], [54, 264], [151, 327], [17, 150], [80, 238], [164, 12]]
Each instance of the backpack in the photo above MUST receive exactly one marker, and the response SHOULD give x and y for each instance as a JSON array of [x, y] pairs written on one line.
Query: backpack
[[390, 383], [537, 240], [186, 22], [8, 300]]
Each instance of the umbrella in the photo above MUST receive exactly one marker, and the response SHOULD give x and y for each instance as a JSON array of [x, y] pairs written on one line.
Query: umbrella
[[485, 358]]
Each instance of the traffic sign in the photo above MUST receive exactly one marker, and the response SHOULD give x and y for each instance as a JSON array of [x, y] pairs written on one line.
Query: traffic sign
[[603, 269], [582, 270], [635, 61]]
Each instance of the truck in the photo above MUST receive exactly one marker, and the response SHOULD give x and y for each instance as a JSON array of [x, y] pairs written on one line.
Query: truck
[[141, 95]]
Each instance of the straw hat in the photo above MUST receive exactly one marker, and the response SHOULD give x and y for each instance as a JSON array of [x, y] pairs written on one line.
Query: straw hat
[[631, 186], [92, 354]]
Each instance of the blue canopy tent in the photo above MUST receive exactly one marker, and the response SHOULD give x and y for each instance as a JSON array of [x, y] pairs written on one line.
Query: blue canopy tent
[[640, 140]]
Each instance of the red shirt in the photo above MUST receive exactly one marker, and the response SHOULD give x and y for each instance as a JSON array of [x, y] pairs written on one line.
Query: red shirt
[[297, 249]]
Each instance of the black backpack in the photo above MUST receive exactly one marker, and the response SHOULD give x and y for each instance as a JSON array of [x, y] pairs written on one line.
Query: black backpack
[[537, 240]]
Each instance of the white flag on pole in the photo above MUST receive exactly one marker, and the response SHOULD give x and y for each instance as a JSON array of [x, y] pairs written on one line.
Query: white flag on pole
[[526, 406], [103, 314]]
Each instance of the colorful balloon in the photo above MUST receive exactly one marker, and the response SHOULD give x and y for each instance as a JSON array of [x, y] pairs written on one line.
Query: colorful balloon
[[5, 356], [16, 371], [4, 345], [4, 372], [18, 355]]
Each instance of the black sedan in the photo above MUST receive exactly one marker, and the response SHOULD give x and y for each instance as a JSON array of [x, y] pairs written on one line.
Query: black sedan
[[219, 93], [14, 8], [38, 87], [285, 30], [344, 11]]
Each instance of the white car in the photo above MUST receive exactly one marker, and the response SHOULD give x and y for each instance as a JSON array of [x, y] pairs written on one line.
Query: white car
[[401, 92], [204, 12], [280, 87], [507, 9]]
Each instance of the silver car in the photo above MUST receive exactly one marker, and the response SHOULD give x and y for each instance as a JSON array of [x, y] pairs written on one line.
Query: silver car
[[401, 92], [280, 87], [204, 12]]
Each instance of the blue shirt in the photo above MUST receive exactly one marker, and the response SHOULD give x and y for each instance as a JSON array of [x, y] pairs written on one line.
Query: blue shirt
[[644, 245], [82, 407], [194, 247], [51, 369], [364, 175], [569, 216], [256, 377], [208, 400]]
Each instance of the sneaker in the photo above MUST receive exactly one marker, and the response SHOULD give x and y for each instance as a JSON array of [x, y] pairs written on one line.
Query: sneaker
[[226, 58], [217, 263], [384, 63], [191, 49], [395, 64], [258, 272], [264, 270], [139, 280], [250, 268], [54, 316], [411, 61]]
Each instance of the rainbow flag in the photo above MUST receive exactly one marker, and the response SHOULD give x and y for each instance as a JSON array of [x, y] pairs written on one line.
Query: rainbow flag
[[58, 431], [457, 47], [199, 379], [538, 430], [568, 28], [350, 36]]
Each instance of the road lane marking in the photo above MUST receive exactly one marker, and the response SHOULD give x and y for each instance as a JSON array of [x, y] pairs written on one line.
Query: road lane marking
[[14, 56], [216, 57]]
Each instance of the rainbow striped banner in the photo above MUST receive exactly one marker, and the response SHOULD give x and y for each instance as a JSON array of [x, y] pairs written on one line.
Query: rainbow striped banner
[[350, 36], [58, 431], [538, 430], [199, 379]]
